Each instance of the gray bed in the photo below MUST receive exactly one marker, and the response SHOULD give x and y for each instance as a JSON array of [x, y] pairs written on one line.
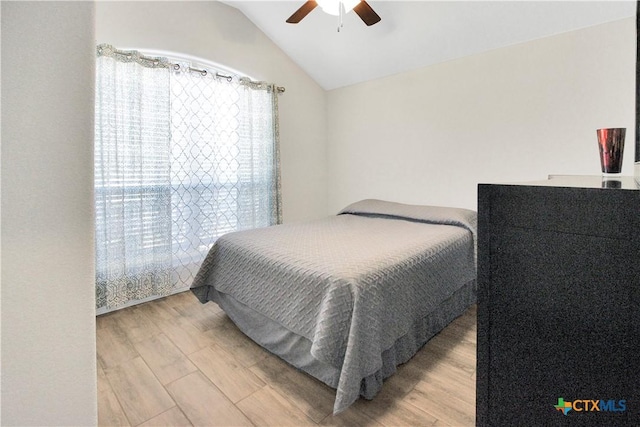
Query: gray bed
[[349, 297]]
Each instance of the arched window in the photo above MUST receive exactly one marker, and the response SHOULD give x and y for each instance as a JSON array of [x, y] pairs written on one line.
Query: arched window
[[183, 154]]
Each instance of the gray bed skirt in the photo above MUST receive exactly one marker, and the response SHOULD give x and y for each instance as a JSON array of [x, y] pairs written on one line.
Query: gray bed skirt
[[296, 350]]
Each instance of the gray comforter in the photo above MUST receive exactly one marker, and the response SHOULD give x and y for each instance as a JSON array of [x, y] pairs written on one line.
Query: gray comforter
[[351, 284]]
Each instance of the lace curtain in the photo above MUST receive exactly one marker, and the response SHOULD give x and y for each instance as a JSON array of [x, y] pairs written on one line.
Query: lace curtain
[[182, 156]]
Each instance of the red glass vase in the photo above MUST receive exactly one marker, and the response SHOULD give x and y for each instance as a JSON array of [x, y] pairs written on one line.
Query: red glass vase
[[611, 146]]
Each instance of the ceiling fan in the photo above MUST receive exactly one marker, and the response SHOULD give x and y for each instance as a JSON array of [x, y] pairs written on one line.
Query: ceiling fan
[[337, 7]]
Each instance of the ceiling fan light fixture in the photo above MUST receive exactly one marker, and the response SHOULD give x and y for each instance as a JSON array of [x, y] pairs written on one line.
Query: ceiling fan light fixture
[[337, 8], [332, 7]]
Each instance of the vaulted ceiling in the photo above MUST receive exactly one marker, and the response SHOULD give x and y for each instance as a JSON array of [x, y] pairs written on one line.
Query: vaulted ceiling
[[415, 34]]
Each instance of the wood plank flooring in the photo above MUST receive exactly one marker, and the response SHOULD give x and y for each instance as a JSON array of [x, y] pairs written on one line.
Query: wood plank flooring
[[176, 362]]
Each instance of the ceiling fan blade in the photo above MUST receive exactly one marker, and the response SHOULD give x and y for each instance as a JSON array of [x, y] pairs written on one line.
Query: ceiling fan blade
[[366, 13], [302, 12]]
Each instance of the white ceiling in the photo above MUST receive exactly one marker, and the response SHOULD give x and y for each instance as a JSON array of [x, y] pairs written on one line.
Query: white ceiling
[[415, 34]]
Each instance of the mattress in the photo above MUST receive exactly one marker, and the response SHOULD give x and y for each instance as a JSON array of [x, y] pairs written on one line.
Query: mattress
[[349, 297]]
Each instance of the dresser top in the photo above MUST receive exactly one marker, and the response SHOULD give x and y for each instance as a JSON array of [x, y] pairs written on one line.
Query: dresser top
[[586, 181]]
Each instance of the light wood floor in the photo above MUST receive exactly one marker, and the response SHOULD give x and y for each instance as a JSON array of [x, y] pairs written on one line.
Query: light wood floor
[[176, 362]]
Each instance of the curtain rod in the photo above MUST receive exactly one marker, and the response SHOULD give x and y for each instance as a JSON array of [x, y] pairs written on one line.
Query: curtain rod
[[160, 63]]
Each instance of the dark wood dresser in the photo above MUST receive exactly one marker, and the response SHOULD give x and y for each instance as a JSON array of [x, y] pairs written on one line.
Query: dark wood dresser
[[559, 302]]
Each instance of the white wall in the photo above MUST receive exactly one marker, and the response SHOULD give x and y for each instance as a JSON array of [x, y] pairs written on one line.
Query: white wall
[[48, 307], [222, 34], [513, 114]]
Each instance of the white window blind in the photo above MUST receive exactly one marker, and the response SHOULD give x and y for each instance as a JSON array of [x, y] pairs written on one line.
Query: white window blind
[[181, 157]]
